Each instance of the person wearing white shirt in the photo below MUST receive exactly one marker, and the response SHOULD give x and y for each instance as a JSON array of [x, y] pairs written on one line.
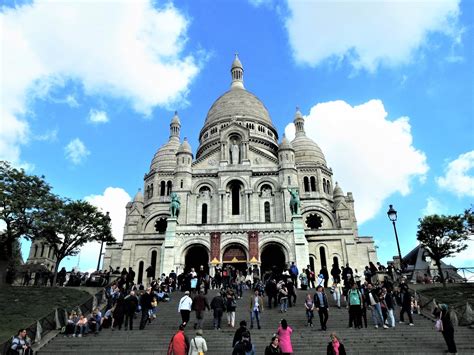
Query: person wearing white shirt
[[184, 307]]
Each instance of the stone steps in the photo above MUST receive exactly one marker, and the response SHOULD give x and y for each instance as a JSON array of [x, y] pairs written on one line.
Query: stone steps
[[402, 339]]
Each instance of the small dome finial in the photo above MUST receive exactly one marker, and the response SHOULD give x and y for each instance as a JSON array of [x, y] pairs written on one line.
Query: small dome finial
[[237, 72], [299, 122], [175, 125]]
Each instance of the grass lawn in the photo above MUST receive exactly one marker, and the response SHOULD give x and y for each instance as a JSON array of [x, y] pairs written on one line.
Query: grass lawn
[[454, 295], [22, 306]]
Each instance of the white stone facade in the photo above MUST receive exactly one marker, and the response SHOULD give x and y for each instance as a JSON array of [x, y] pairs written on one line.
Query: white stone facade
[[235, 186]]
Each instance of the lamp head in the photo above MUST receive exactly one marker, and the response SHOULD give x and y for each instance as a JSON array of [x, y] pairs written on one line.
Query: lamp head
[[392, 214]]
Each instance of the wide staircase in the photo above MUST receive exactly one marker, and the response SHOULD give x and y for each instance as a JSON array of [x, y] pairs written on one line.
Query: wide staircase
[[403, 339]]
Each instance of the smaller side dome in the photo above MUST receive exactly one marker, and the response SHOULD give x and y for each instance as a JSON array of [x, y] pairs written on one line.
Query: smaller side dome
[[338, 193], [285, 144], [185, 147], [138, 197]]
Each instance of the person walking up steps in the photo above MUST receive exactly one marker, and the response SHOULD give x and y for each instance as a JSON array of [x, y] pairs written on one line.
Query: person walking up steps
[[199, 306], [179, 343], [198, 345], [321, 304], [218, 306], [184, 307], [284, 334]]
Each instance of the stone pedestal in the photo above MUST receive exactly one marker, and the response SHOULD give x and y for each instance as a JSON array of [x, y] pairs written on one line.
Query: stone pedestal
[[168, 250], [301, 244]]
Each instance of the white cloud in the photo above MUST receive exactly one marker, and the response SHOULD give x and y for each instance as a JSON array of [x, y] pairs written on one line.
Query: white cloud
[[371, 156], [458, 176], [48, 136], [367, 33], [464, 258], [76, 151], [433, 206], [121, 49], [113, 200], [97, 116]]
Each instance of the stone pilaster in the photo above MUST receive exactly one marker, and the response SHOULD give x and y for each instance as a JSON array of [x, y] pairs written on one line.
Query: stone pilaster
[[168, 248], [301, 244]]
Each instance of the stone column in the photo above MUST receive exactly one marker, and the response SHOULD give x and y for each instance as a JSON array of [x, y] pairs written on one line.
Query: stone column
[[168, 248], [301, 244]]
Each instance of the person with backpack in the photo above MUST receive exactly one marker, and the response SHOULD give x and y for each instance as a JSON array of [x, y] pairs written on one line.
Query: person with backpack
[[355, 302], [179, 343], [198, 345], [244, 346], [239, 333], [21, 344]]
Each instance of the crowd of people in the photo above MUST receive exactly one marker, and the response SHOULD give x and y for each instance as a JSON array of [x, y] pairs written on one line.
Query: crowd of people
[[359, 293]]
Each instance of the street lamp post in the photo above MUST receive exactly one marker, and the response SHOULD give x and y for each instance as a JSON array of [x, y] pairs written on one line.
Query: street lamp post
[[392, 215], [107, 220]]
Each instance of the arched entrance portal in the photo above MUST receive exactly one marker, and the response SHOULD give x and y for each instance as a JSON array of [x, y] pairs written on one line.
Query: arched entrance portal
[[196, 256], [235, 256], [273, 259]]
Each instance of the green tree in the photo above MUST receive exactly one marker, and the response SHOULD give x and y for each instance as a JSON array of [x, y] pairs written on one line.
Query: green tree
[[23, 200], [444, 236], [70, 225]]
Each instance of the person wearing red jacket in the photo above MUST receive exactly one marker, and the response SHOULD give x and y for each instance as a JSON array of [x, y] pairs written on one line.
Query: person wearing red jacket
[[179, 343]]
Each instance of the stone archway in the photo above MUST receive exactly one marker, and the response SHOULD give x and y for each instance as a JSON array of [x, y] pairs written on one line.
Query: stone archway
[[235, 256], [273, 258], [196, 255]]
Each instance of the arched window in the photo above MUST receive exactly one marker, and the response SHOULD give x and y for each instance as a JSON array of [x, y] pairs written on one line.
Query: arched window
[[335, 261], [235, 198], [162, 188], [306, 184], [324, 185], [266, 207], [154, 254], [322, 257], [151, 191], [36, 251], [204, 213], [328, 186], [140, 272], [289, 180], [169, 186], [313, 183], [42, 250], [181, 184]]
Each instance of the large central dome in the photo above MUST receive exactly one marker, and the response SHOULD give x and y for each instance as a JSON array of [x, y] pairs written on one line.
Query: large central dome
[[238, 102]]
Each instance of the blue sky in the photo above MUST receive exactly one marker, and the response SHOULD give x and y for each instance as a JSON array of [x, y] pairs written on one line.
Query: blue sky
[[387, 89]]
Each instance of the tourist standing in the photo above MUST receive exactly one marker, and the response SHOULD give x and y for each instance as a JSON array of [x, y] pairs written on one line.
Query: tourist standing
[[442, 312], [294, 272], [145, 304], [303, 280], [405, 299], [324, 272], [179, 343], [321, 304], [256, 307], [374, 302], [337, 293], [283, 295], [130, 307], [309, 307], [218, 306], [198, 345], [199, 306], [284, 334], [335, 347], [274, 347], [355, 301], [230, 306], [184, 307], [21, 344], [336, 273]]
